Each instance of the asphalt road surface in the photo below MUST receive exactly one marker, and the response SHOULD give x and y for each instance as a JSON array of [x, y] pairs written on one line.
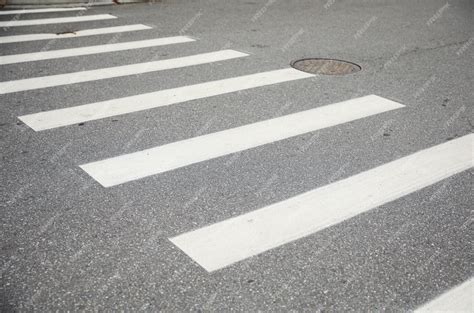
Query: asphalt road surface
[[167, 157]]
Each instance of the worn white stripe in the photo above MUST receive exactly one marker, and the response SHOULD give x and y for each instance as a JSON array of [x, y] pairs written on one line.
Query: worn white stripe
[[80, 33], [160, 159], [57, 20], [32, 11], [64, 53], [98, 110], [117, 71], [458, 299], [235, 239]]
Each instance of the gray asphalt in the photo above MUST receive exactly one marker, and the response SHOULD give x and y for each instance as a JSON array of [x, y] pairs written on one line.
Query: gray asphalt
[[70, 244]]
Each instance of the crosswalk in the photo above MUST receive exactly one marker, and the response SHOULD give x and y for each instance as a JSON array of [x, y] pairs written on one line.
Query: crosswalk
[[225, 243]]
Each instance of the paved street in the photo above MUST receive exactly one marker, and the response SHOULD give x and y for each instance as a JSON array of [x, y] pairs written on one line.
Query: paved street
[[166, 157]]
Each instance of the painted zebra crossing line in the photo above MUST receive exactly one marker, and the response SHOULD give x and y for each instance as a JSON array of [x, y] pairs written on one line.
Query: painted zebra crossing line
[[75, 34], [133, 166], [64, 53], [221, 244], [57, 20], [458, 299], [33, 11], [98, 110], [117, 71]]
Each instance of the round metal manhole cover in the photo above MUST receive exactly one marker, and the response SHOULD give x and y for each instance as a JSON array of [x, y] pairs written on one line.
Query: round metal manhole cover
[[325, 66]]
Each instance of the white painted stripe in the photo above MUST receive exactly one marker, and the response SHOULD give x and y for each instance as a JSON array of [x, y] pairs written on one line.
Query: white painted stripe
[[458, 299], [57, 20], [32, 11], [80, 33], [235, 239], [117, 71], [64, 53], [160, 159], [98, 110]]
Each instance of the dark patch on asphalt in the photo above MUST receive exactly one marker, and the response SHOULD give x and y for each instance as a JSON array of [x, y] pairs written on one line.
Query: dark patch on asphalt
[[452, 137], [66, 32], [259, 46]]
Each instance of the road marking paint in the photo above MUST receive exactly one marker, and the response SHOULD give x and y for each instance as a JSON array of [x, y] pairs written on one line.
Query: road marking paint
[[79, 33], [116, 71], [32, 11], [458, 299], [238, 238], [98, 110], [64, 53], [128, 167], [57, 20]]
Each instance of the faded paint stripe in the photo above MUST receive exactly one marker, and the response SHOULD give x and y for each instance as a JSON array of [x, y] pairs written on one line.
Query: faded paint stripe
[[57, 20], [32, 11]]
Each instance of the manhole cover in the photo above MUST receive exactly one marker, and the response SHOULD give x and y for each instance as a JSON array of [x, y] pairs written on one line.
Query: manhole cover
[[325, 66]]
